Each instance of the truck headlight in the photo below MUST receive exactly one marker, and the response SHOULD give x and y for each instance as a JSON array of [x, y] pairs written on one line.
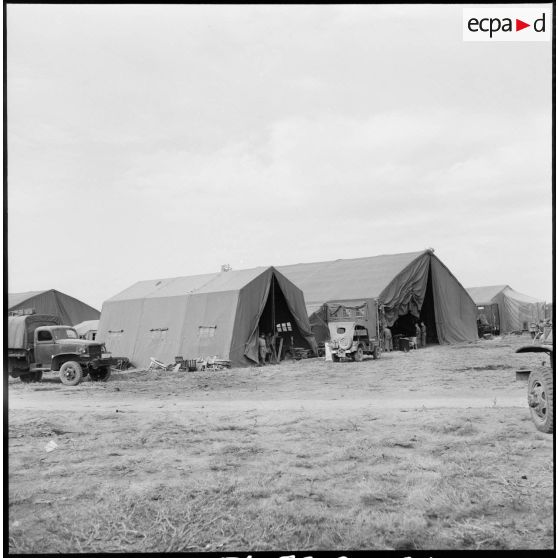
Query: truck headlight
[[82, 350]]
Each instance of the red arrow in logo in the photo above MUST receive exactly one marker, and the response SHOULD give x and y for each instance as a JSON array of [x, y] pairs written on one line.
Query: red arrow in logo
[[519, 25]]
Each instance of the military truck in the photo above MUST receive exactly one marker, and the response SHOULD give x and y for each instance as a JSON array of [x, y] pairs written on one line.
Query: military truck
[[40, 343], [353, 329], [540, 383]]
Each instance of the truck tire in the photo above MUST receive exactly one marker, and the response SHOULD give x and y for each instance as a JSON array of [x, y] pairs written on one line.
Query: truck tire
[[100, 375], [540, 396], [358, 355], [71, 373], [31, 377]]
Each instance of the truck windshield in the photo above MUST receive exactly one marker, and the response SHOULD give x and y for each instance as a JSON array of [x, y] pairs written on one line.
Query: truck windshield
[[64, 333]]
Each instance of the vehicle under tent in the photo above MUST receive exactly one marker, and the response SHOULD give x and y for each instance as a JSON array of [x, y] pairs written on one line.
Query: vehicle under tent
[[397, 290]]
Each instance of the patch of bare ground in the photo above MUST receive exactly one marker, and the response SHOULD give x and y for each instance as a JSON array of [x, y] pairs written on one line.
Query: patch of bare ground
[[152, 462]]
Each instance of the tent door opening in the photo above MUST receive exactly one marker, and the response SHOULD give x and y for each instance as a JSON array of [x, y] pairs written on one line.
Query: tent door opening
[[279, 326], [427, 314], [405, 325]]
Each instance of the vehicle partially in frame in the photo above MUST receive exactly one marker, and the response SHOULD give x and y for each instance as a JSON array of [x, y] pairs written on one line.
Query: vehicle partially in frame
[[540, 382]]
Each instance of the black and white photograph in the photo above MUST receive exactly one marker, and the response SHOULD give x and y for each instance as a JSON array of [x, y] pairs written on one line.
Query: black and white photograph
[[279, 278]]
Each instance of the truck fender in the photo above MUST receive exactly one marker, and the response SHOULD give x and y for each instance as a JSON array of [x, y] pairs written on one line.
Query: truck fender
[[59, 359]]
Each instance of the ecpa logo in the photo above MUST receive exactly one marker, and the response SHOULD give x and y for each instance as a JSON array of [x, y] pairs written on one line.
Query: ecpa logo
[[507, 24]]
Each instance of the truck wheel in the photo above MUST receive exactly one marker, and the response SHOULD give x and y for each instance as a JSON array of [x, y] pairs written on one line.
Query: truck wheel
[[358, 355], [71, 373], [376, 353], [540, 396], [100, 375]]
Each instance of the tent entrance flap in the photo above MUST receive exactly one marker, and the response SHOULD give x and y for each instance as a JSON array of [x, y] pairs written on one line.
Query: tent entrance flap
[[427, 313], [405, 324], [278, 322]]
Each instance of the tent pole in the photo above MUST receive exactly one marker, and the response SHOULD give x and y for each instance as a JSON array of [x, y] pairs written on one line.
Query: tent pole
[[273, 305]]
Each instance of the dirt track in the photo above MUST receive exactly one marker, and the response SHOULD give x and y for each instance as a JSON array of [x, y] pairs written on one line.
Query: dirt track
[[481, 375]]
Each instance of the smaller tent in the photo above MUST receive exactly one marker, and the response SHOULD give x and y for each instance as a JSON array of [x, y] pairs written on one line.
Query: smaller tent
[[87, 329], [515, 311], [218, 314], [70, 310]]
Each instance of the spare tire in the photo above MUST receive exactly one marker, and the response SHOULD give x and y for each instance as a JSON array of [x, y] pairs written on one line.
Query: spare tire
[[345, 342]]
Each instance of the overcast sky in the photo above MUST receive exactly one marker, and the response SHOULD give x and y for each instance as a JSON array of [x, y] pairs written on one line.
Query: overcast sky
[[159, 141]]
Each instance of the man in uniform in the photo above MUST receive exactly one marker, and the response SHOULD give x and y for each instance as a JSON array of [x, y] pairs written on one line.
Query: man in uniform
[[418, 336], [388, 343], [262, 349], [422, 334]]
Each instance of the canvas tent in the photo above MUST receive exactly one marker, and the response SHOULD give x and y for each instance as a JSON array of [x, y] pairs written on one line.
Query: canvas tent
[[87, 329], [70, 310], [218, 314], [408, 286], [515, 310]]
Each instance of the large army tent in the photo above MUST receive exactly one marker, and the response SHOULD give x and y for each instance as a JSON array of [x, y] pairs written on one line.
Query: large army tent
[[516, 311], [408, 286], [70, 310], [218, 314]]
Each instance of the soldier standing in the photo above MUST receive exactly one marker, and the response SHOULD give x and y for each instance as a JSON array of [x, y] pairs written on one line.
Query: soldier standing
[[388, 343], [423, 334], [417, 336], [262, 349]]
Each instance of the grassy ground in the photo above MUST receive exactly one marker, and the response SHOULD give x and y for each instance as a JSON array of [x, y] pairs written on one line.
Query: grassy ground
[[420, 451]]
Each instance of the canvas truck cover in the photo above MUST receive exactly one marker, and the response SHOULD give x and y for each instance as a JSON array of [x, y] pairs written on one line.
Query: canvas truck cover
[[333, 311], [22, 328]]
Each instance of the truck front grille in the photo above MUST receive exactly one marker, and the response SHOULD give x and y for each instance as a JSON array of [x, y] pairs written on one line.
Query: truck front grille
[[95, 351]]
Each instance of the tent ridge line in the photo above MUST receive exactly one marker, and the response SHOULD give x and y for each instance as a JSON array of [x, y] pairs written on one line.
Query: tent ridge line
[[56, 292], [419, 253], [32, 294], [73, 298]]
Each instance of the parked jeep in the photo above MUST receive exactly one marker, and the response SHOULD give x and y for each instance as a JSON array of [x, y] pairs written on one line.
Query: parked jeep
[[40, 343], [353, 330], [540, 384]]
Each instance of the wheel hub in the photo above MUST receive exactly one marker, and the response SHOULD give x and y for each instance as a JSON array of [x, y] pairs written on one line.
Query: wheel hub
[[537, 400]]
